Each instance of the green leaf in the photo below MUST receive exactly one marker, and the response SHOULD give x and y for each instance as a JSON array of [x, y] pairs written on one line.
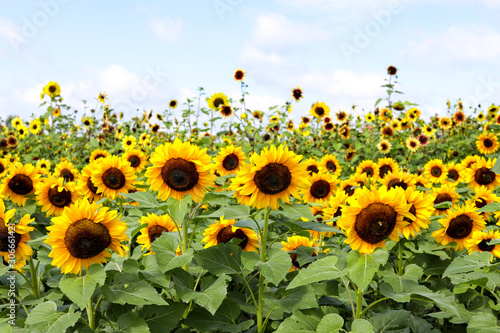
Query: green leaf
[[299, 323], [276, 267], [320, 270], [144, 199], [468, 263], [79, 289], [296, 212], [210, 298], [483, 322], [129, 322], [362, 268], [140, 293], [165, 248], [178, 209], [45, 318], [203, 321], [490, 208], [320, 227], [420, 325], [331, 323], [391, 320], [443, 205], [378, 101], [236, 212], [496, 167], [219, 259], [298, 299], [249, 259], [362, 326]]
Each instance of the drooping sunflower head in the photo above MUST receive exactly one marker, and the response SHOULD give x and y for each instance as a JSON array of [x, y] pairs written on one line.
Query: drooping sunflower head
[[320, 110], [487, 143], [368, 168], [113, 175], [82, 236], [53, 194], [459, 226], [323, 185], [97, 154], [293, 243], [329, 163], [66, 170], [275, 174], [179, 169], [20, 182], [137, 159], [480, 174], [387, 165], [421, 208], [480, 242], [156, 225], [436, 171], [229, 160], [384, 146], [372, 216], [217, 100], [221, 232]]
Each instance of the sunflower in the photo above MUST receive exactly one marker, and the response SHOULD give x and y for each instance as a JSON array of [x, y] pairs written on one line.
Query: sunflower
[[397, 179], [297, 93], [335, 203], [156, 225], [179, 169], [217, 100], [312, 165], [391, 70], [442, 194], [82, 236], [112, 175], [412, 144], [349, 155], [421, 207], [344, 132], [455, 173], [226, 111], [469, 161], [387, 165], [428, 130], [53, 194], [483, 197], [237, 186], [85, 185], [21, 236], [493, 110], [422, 181], [459, 226], [396, 125], [293, 243], [35, 126], [479, 242], [275, 174], [487, 143], [329, 163], [66, 170], [436, 171], [129, 142], [172, 104], [16, 122], [224, 230], [481, 117], [257, 115], [239, 74], [384, 146], [341, 116], [22, 131], [386, 115], [323, 185], [459, 117], [52, 89], [368, 168], [480, 174], [320, 110], [20, 182], [97, 154], [387, 131], [369, 117], [56, 112], [229, 160], [372, 216], [137, 159], [349, 186], [102, 97]]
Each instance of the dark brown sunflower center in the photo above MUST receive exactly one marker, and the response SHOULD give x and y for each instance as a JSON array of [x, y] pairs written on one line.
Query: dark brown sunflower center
[[484, 176], [453, 174], [330, 165], [460, 227], [52, 89], [226, 234], [436, 171], [413, 210], [59, 199], [226, 110], [375, 222], [483, 245], [480, 203], [349, 190], [384, 146], [230, 162], [369, 171], [85, 239], [173, 104], [238, 75], [488, 143], [338, 212], [67, 175], [443, 197], [273, 178], [91, 186], [179, 174], [21, 184], [5, 237], [113, 178], [99, 156], [155, 232], [320, 189], [297, 93], [455, 153], [295, 263], [218, 102], [384, 170], [134, 160], [312, 169], [2, 168], [413, 144], [397, 182], [320, 111]]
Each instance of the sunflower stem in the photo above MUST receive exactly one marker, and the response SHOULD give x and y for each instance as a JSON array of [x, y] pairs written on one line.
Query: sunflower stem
[[400, 258], [359, 303], [184, 241], [90, 315], [263, 243], [35, 283]]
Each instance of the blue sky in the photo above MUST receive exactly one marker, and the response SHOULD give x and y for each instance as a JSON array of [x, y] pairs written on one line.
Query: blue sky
[[142, 54]]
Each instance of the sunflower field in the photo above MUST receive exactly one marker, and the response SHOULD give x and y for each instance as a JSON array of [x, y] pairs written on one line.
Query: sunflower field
[[226, 219]]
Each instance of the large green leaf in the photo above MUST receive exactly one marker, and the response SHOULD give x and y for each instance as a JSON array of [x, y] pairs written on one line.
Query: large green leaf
[[468, 263], [483, 322], [331, 323], [140, 293], [204, 321], [210, 298], [296, 299], [45, 318], [179, 208], [144, 199], [391, 321], [362, 268], [320, 270], [165, 248], [79, 289], [130, 323], [276, 267], [362, 326], [236, 212], [162, 318], [296, 212], [299, 323], [219, 259]]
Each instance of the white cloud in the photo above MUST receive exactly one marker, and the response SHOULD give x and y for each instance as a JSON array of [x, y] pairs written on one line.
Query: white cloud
[[457, 43], [251, 54], [275, 30], [167, 29]]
